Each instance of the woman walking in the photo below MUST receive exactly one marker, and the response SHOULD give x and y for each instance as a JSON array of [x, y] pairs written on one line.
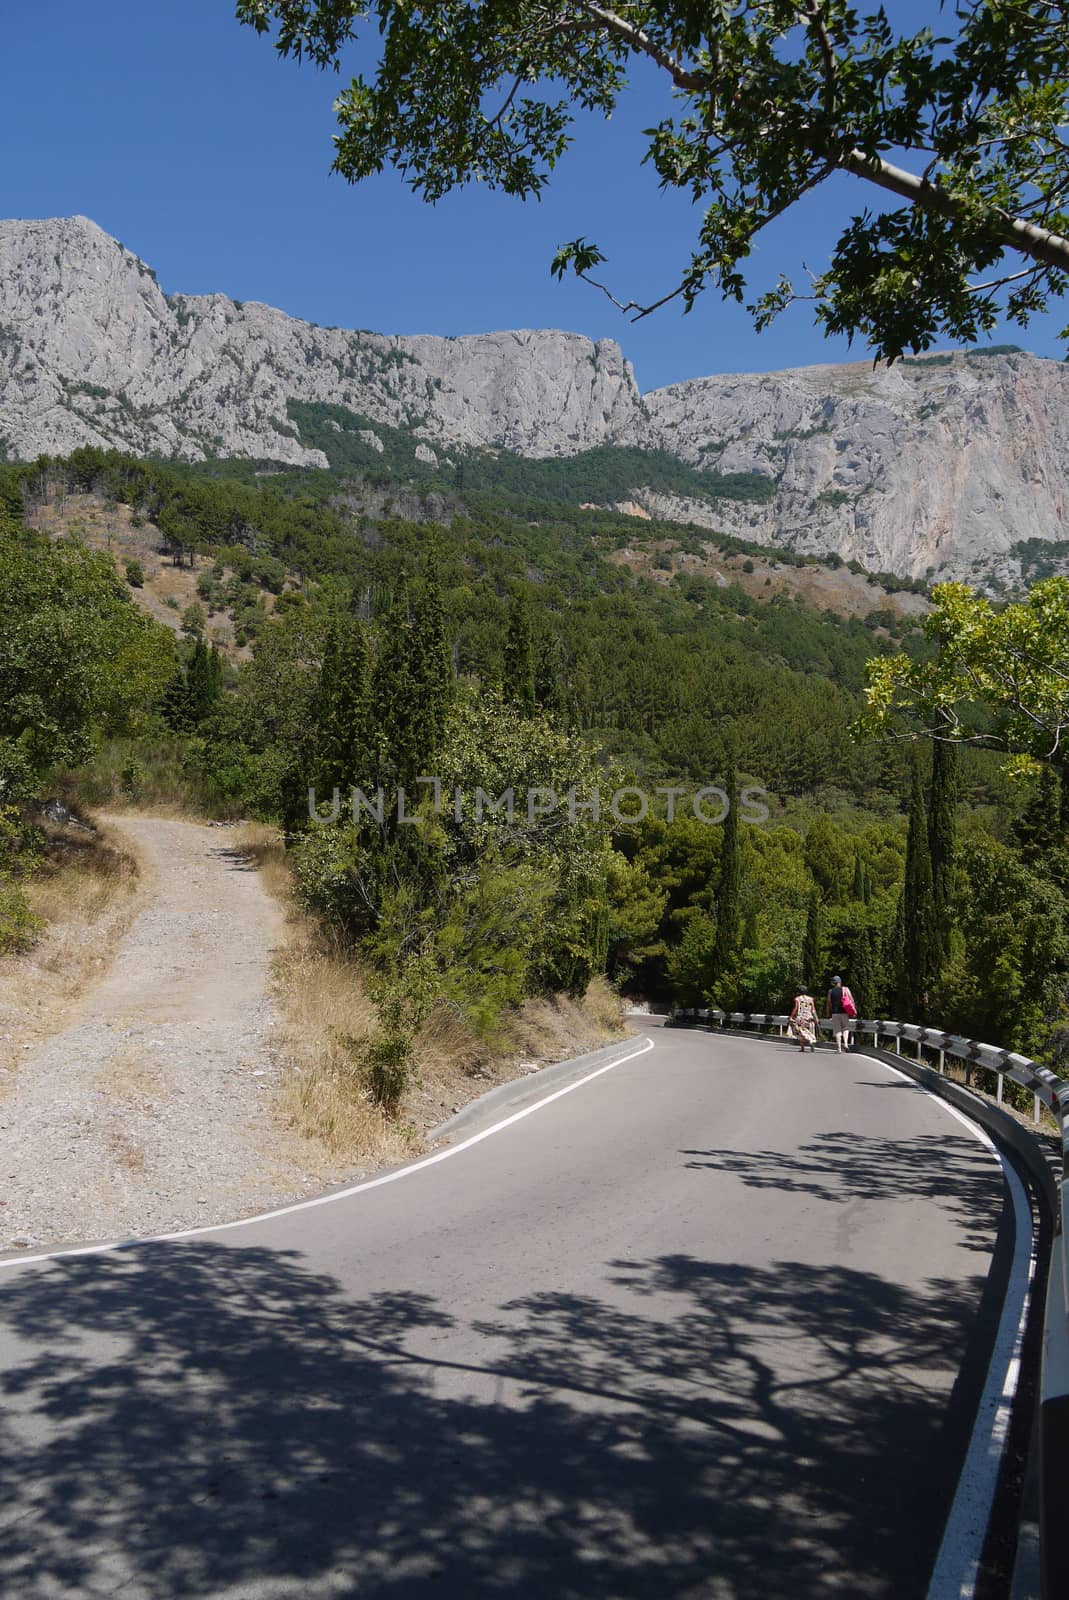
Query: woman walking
[[804, 1020], [840, 1008]]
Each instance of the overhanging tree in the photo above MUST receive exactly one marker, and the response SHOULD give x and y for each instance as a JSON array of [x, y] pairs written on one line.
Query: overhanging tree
[[955, 135], [998, 676]]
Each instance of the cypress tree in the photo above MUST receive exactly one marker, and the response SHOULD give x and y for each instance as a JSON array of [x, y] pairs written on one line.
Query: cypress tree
[[727, 897], [550, 679], [812, 965], [891, 946], [862, 976], [942, 833], [1038, 830], [342, 756], [858, 890], [432, 664], [518, 679], [174, 703], [1063, 810], [919, 958], [412, 686], [392, 699], [200, 688], [215, 662]]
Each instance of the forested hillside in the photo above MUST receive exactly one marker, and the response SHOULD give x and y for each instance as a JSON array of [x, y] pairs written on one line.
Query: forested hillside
[[490, 639]]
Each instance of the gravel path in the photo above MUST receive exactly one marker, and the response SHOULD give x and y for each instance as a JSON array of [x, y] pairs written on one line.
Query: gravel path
[[152, 1109]]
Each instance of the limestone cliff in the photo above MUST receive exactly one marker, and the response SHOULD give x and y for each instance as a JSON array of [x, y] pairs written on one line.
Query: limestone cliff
[[940, 464]]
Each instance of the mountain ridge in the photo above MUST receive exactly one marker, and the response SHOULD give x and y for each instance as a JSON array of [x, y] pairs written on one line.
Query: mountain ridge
[[937, 466]]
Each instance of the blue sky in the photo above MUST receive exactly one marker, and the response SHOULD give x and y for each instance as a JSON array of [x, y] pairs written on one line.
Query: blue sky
[[181, 133]]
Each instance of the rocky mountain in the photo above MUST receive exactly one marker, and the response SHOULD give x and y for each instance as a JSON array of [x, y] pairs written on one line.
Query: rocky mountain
[[942, 464]]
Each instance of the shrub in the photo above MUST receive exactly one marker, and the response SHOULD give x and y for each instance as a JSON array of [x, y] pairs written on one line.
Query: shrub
[[132, 778], [135, 575], [19, 928]]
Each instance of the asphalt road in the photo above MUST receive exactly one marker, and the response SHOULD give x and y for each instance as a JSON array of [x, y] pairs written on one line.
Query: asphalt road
[[712, 1324]]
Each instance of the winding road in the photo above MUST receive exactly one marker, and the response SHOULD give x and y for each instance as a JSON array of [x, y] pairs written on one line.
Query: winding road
[[716, 1322]]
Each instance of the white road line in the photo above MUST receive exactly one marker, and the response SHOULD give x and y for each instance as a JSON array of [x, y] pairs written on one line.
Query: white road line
[[341, 1194], [957, 1565]]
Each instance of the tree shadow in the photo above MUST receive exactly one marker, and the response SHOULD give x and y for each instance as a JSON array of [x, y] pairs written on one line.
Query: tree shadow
[[952, 1172], [195, 1420], [233, 858]]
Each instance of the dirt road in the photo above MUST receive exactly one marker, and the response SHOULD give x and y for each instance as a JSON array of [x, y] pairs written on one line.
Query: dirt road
[[152, 1109]]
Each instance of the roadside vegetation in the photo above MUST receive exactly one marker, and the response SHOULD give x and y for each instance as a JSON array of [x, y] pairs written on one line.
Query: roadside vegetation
[[502, 647]]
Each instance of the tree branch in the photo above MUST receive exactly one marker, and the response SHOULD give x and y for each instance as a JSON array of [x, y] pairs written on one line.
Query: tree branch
[[1052, 249], [694, 82]]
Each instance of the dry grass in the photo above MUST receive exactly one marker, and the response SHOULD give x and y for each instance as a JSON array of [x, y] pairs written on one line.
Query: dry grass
[[85, 874], [326, 1014], [264, 847], [558, 1026], [86, 893], [127, 1152]]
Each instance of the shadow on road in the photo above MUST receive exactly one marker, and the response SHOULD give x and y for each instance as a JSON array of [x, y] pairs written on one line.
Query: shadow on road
[[234, 858], [840, 1167], [194, 1420]]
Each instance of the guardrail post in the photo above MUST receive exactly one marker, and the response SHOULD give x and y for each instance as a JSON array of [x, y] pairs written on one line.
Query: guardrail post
[[898, 1044], [920, 1050], [1036, 1103], [1001, 1083], [942, 1060]]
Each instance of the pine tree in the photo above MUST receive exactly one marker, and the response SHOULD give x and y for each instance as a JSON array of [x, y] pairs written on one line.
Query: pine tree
[[727, 897], [919, 958], [812, 962], [942, 833]]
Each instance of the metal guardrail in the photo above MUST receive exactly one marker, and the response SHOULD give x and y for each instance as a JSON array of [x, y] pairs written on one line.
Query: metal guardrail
[[1047, 1089]]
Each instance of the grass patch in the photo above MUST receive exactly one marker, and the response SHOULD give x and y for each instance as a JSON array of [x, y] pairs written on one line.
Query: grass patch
[[139, 774]]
